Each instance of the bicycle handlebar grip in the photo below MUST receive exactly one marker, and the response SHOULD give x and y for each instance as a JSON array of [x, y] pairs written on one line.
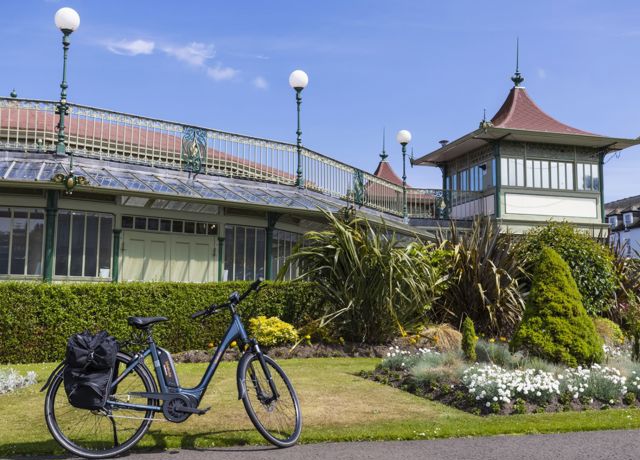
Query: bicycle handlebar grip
[[256, 283], [198, 314]]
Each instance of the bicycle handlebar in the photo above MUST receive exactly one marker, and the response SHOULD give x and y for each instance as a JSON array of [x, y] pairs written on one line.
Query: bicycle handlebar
[[232, 301]]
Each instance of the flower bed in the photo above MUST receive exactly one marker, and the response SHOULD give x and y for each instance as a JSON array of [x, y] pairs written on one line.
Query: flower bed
[[527, 386], [11, 380]]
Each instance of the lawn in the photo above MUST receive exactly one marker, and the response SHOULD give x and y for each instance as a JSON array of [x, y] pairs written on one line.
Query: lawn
[[336, 404]]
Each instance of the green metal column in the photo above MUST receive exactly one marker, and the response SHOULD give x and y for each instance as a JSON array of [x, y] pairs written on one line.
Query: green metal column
[[115, 264], [272, 218], [220, 257], [498, 179], [601, 175], [50, 235], [446, 194]]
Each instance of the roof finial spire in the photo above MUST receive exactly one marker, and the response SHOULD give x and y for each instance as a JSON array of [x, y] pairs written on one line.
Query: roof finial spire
[[517, 77], [383, 155]]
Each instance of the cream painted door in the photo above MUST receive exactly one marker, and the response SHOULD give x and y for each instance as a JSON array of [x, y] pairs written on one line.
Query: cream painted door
[[168, 257]]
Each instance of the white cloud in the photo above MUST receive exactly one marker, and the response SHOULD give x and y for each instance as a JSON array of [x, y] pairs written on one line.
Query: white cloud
[[219, 73], [542, 74], [260, 83], [195, 54], [131, 47]]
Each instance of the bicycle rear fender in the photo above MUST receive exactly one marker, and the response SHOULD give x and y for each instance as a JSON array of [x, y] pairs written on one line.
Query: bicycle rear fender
[[55, 371]]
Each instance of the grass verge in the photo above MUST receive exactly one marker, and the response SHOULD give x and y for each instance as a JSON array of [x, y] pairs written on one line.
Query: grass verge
[[336, 405]]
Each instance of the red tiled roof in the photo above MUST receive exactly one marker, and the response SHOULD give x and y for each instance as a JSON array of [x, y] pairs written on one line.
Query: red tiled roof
[[520, 112], [384, 171]]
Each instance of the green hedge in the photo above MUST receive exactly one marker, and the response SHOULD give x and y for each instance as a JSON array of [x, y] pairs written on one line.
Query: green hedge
[[36, 319]]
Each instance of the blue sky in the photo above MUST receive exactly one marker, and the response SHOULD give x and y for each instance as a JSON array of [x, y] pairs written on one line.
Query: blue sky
[[427, 66]]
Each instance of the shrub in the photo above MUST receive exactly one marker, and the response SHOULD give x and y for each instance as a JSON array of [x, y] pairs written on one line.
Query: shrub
[[555, 324], [591, 263], [375, 287], [272, 331], [496, 353], [609, 332], [469, 340], [36, 319], [485, 279], [443, 337]]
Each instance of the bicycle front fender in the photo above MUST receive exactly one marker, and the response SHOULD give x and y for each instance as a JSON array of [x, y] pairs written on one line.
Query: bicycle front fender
[[53, 374], [241, 372]]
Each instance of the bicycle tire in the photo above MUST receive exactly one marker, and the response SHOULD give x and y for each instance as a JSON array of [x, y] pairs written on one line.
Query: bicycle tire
[[57, 410], [257, 408]]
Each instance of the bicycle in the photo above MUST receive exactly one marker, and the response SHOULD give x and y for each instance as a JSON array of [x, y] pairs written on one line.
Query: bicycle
[[134, 399]]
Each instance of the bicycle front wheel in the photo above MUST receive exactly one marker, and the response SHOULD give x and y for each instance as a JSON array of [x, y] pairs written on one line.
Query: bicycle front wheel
[[106, 432], [270, 401]]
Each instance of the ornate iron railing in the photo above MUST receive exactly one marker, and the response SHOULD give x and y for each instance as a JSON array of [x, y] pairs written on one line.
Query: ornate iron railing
[[95, 133]]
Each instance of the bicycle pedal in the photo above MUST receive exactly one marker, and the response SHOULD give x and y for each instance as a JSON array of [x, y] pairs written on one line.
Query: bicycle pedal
[[193, 410]]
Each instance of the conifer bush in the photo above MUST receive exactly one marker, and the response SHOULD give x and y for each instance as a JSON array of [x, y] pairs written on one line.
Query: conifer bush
[[591, 263], [469, 340], [555, 325]]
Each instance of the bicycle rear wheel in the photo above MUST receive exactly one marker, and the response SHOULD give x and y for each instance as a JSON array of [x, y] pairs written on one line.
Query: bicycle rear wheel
[[101, 433], [276, 415]]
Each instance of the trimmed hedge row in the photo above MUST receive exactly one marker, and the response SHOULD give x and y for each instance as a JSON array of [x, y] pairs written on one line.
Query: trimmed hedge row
[[36, 319]]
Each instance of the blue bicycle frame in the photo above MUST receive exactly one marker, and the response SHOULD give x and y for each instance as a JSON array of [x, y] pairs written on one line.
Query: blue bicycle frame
[[235, 331]]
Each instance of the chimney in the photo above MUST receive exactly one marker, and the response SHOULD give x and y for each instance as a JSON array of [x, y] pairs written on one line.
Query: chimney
[[443, 142]]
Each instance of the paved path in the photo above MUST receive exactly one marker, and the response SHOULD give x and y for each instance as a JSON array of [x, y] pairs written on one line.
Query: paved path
[[609, 445]]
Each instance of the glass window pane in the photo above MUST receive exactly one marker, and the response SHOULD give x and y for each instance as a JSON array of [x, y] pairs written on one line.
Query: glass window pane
[[512, 172], [201, 228], [504, 171], [5, 238], [62, 243], [260, 251], [213, 229], [165, 225], [595, 175], [520, 173], [239, 257], [106, 232], [127, 222], [581, 181], [570, 185], [141, 223], [77, 244], [229, 251], [36, 236], [19, 242], [250, 254], [553, 170], [562, 175], [153, 224], [177, 226], [537, 179], [545, 174], [189, 227], [529, 173], [91, 247]]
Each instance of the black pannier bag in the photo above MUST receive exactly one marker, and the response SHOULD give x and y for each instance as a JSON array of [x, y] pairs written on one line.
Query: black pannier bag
[[89, 369]]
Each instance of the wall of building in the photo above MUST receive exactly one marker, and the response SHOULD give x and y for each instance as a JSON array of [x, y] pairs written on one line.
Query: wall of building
[[152, 244]]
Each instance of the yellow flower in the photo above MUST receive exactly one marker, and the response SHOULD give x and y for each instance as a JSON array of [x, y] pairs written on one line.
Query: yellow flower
[[210, 345], [234, 344], [491, 340], [307, 337], [503, 339]]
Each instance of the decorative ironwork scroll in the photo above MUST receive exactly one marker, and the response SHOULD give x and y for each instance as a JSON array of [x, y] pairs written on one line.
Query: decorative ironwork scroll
[[194, 149], [358, 187]]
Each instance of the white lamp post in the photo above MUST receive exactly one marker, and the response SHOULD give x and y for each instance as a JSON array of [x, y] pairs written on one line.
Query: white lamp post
[[404, 137], [67, 20], [298, 80]]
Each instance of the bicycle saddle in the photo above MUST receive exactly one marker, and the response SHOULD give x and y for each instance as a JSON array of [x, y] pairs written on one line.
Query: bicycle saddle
[[144, 321]]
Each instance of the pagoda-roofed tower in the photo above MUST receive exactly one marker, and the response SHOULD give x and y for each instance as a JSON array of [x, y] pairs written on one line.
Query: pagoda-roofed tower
[[524, 167]]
